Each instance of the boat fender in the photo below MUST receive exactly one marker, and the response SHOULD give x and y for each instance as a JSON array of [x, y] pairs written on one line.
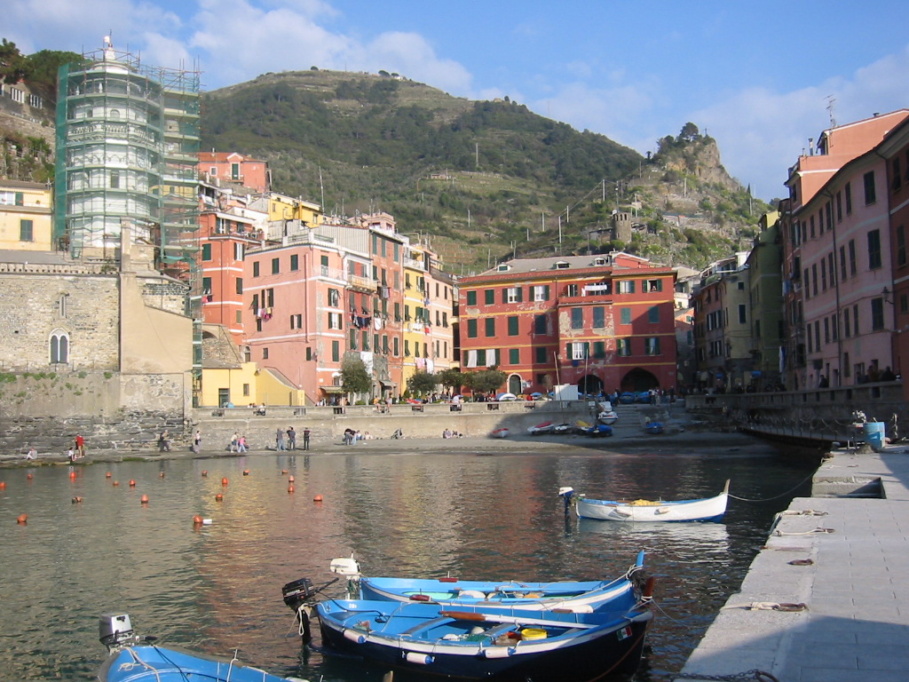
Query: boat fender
[[419, 597], [419, 659], [647, 592], [354, 636], [471, 594]]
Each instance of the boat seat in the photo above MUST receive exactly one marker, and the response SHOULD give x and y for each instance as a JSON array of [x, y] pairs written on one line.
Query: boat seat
[[422, 625]]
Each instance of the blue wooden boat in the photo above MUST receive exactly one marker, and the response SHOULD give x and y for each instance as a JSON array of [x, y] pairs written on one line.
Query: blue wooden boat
[[578, 596], [479, 642], [654, 428], [135, 660]]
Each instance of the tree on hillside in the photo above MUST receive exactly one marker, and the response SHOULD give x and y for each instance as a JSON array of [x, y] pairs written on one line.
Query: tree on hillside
[[12, 63], [689, 133]]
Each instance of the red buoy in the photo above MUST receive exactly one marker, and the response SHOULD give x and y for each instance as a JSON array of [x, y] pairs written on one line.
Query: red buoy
[[77, 499], [2, 485], [224, 481], [197, 520], [29, 477], [284, 472], [317, 498], [132, 483], [161, 475], [291, 488], [246, 472], [291, 479], [22, 519], [219, 497], [72, 475], [144, 499], [116, 483], [108, 475], [204, 472]]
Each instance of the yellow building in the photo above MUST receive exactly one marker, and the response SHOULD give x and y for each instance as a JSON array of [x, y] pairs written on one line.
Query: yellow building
[[26, 218], [282, 207], [417, 347]]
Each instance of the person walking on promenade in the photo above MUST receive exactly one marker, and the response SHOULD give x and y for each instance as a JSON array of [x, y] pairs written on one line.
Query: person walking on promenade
[[80, 445], [279, 439], [291, 439], [241, 444], [306, 438], [197, 441], [234, 440], [164, 441]]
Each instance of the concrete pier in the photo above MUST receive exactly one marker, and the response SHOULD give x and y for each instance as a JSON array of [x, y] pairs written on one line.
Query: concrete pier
[[827, 598]]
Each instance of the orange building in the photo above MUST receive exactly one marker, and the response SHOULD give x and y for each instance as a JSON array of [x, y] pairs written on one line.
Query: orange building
[[602, 322], [226, 169]]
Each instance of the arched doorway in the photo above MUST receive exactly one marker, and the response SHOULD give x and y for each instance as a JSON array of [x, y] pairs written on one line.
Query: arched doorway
[[639, 380], [590, 384], [515, 384]]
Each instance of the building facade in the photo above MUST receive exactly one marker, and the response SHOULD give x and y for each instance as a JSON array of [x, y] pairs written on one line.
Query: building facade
[[26, 220], [602, 323]]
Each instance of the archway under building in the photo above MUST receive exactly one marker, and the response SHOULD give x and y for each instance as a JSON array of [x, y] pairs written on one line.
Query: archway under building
[[515, 384], [590, 384], [639, 380]]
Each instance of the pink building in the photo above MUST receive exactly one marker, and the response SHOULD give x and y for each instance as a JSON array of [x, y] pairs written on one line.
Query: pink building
[[233, 169], [836, 258]]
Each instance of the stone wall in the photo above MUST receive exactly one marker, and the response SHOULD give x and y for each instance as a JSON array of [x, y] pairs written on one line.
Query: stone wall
[[35, 305]]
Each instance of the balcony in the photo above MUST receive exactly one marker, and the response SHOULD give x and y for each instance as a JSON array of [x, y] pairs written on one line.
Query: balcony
[[363, 284]]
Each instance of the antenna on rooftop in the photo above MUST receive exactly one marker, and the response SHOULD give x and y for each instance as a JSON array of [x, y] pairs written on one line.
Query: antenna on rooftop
[[831, 100]]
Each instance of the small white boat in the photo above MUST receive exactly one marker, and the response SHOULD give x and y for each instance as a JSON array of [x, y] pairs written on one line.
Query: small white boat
[[500, 433], [541, 429], [644, 511], [608, 417]]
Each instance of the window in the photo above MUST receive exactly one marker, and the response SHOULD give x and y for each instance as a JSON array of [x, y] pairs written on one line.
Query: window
[[540, 353], [870, 194], [625, 315], [743, 319], [652, 345], [490, 296], [653, 314], [572, 290], [852, 258], [623, 347], [206, 251], [275, 266], [577, 350], [847, 190], [396, 346], [599, 349], [265, 353], [839, 207], [577, 318], [296, 321], [541, 292], [26, 231], [539, 324], [471, 298], [335, 351], [626, 286], [61, 305], [901, 245], [855, 320], [513, 326], [59, 347], [847, 328], [490, 327], [514, 356], [239, 251], [206, 288], [334, 321], [294, 262], [240, 285], [877, 314], [334, 298], [599, 317], [512, 295], [352, 343], [255, 268], [874, 249], [652, 285], [471, 328]]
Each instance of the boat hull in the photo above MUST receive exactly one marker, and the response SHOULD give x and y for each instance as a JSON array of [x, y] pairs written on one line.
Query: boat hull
[[600, 646], [707, 509], [145, 663]]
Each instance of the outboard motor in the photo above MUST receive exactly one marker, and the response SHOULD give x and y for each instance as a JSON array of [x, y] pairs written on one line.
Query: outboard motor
[[114, 629], [298, 592], [567, 492]]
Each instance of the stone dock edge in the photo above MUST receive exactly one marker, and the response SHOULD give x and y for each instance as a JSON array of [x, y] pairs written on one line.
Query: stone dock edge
[[826, 599]]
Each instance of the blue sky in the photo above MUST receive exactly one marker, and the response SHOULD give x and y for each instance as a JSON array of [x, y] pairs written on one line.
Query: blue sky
[[759, 77]]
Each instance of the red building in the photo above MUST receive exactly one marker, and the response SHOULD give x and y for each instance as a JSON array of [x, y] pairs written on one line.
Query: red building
[[603, 323], [232, 169]]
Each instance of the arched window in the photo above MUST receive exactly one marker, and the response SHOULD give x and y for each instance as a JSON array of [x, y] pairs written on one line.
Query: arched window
[[59, 347]]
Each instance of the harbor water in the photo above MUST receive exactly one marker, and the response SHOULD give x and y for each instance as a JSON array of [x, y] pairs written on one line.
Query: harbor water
[[216, 588]]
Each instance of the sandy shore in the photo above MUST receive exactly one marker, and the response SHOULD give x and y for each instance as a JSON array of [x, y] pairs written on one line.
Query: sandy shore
[[631, 441]]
